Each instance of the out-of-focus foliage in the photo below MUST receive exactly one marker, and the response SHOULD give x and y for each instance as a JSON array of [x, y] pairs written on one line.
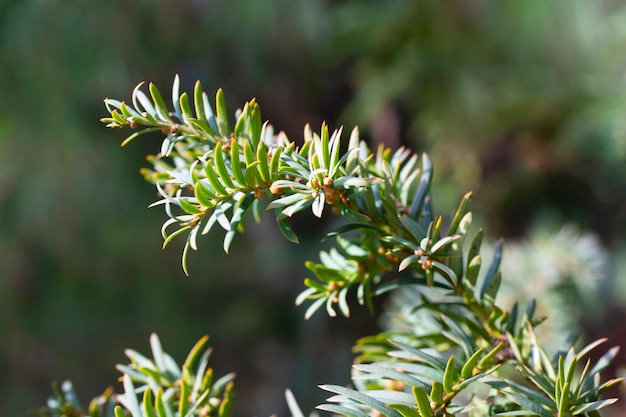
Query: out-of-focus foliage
[[571, 286], [536, 86], [521, 96]]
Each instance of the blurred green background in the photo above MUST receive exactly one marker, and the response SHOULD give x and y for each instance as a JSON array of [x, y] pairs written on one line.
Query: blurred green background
[[522, 102]]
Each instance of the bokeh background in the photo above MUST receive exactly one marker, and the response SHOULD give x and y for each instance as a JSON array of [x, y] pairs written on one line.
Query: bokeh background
[[522, 102]]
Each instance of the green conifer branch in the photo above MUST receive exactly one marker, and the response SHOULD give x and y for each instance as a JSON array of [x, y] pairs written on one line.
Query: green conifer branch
[[210, 172]]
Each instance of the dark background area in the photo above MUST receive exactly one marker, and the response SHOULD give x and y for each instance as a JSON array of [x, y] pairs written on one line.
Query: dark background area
[[522, 102]]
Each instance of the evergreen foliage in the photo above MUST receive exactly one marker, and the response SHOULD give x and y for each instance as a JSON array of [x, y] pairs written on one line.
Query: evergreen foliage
[[463, 353]]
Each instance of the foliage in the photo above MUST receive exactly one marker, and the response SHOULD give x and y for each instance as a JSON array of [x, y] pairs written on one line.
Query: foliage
[[210, 173], [505, 95], [566, 268], [496, 91], [155, 387]]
